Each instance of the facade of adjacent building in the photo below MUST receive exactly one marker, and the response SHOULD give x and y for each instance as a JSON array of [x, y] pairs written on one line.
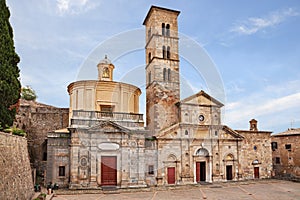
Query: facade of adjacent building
[[286, 154], [184, 141]]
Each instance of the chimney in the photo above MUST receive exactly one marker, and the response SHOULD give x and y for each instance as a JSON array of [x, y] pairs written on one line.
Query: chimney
[[253, 125]]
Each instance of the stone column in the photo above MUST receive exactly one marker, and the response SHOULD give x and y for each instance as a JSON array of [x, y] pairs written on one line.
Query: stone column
[[210, 169], [93, 167]]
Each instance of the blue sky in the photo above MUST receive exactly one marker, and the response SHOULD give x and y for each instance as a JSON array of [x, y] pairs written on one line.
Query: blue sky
[[254, 45]]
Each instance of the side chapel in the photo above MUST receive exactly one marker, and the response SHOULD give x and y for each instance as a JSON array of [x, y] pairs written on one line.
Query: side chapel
[[184, 141]]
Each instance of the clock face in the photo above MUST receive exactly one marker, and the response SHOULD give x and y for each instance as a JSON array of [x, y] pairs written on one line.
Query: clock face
[[201, 118]]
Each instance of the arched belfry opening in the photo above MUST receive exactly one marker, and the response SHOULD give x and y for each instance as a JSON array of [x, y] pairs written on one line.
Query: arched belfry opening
[[105, 69]]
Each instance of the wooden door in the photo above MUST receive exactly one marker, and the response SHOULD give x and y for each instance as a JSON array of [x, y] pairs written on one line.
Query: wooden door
[[256, 172], [229, 172], [171, 175], [109, 170], [200, 171], [197, 172]]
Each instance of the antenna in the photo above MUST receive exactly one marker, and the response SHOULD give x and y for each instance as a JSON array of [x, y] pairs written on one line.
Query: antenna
[[292, 123]]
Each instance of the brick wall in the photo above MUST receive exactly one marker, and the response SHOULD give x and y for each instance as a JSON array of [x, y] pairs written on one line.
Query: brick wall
[[15, 172]]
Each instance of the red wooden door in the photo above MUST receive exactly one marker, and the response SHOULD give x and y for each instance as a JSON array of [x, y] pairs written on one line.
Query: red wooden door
[[256, 172], [197, 172], [109, 170], [200, 171], [171, 175]]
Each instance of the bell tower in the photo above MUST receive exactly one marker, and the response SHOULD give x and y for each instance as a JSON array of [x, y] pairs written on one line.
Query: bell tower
[[105, 70], [162, 68]]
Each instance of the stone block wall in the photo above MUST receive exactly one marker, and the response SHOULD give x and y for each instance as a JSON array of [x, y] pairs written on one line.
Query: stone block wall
[[37, 120], [15, 171], [286, 161], [256, 152]]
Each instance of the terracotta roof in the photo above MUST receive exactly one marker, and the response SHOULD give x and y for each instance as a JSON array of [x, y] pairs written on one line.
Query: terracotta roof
[[290, 131]]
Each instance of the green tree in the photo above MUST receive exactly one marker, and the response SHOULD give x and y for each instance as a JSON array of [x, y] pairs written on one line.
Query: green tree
[[10, 86], [28, 93]]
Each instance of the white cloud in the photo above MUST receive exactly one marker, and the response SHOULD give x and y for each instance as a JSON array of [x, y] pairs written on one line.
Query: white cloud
[[255, 24], [74, 6], [238, 113]]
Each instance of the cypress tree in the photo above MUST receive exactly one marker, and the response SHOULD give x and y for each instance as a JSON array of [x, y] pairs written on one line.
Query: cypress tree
[[10, 86]]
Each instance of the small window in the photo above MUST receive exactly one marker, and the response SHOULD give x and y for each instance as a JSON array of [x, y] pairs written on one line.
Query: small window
[[106, 108], [168, 29], [163, 28], [274, 145], [216, 133], [277, 160], [164, 74], [168, 53], [186, 132], [255, 148], [149, 57], [61, 171], [169, 74], [151, 170], [107, 111], [164, 52], [288, 147]]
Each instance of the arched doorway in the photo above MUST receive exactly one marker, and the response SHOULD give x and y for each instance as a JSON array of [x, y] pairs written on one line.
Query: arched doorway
[[171, 168], [202, 165]]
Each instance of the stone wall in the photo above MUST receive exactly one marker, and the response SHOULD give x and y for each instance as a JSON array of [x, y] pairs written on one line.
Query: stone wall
[[37, 120], [256, 152], [15, 172], [286, 161]]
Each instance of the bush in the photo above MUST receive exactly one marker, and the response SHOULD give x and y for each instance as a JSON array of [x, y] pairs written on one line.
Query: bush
[[15, 131]]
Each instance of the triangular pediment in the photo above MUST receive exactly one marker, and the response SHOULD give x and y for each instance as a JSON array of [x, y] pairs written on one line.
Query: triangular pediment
[[202, 98], [108, 127]]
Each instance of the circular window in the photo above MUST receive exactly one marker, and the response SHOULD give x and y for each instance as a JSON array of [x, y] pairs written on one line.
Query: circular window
[[83, 161], [201, 118]]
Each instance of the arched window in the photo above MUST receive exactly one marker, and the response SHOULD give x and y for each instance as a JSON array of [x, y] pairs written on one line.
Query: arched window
[[229, 157], [164, 74], [149, 57], [169, 74], [168, 53], [168, 29], [164, 52], [202, 152], [163, 28]]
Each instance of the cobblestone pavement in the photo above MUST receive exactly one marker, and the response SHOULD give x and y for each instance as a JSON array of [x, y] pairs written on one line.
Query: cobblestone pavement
[[264, 190]]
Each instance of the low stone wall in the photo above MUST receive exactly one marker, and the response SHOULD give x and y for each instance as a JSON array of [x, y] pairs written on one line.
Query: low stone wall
[[15, 171]]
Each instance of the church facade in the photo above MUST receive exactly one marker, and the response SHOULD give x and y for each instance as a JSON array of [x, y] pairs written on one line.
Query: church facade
[[184, 141]]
